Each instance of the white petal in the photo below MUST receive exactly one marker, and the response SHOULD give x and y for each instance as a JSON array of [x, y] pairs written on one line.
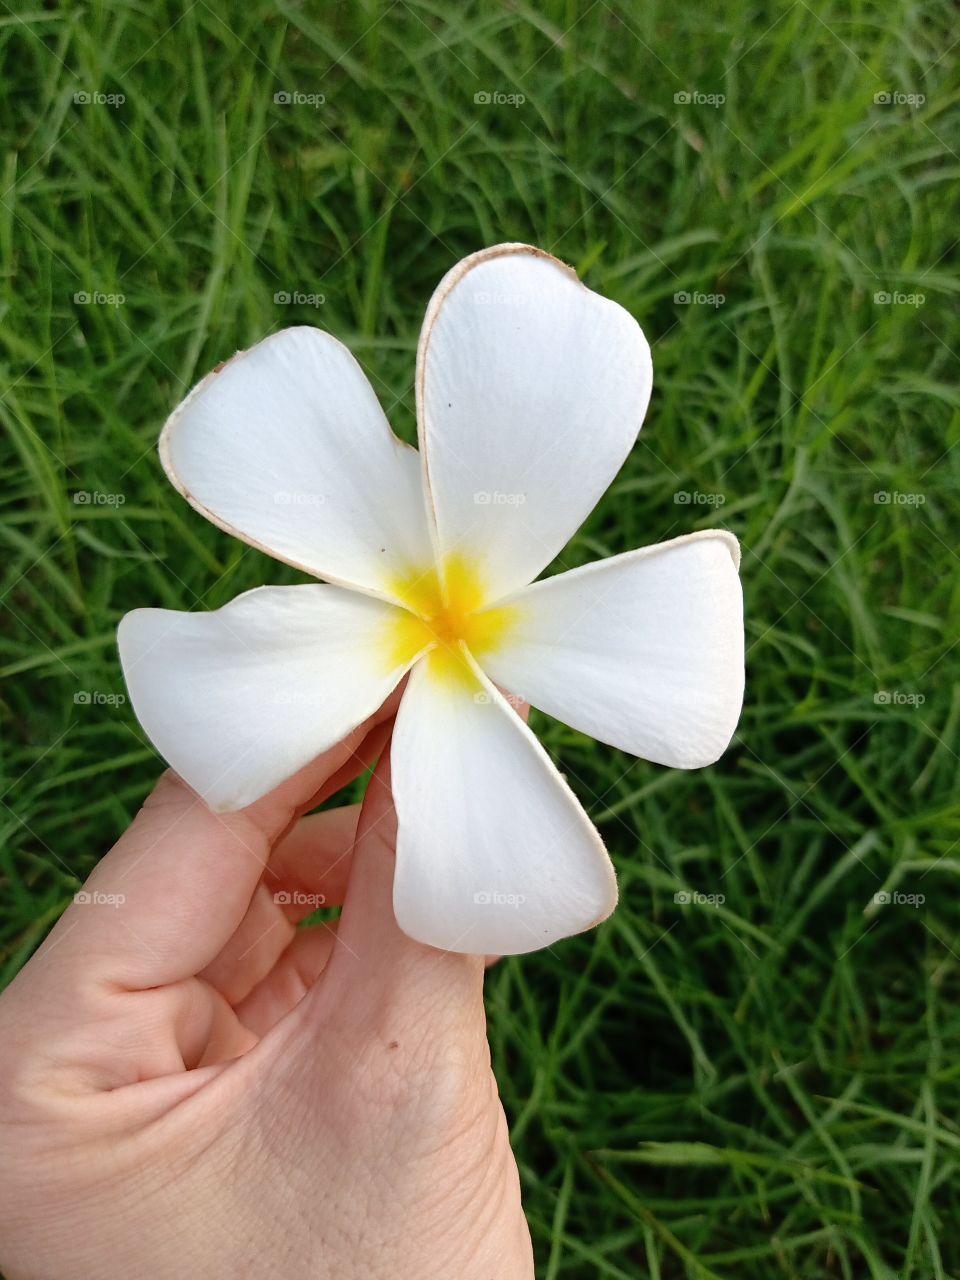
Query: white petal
[[494, 852], [643, 651], [530, 393], [286, 447], [239, 699]]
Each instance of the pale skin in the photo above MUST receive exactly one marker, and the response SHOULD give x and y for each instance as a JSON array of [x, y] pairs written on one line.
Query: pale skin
[[190, 1086]]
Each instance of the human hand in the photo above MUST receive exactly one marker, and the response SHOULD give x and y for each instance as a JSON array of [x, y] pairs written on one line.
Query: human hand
[[192, 1087]]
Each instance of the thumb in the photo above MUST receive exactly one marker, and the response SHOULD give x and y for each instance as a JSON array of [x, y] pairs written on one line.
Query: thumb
[[378, 974]]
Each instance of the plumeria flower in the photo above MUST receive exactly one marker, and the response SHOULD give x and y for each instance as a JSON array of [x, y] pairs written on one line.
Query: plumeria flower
[[530, 392]]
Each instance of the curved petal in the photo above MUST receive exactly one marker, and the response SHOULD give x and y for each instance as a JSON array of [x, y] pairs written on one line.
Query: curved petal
[[530, 393], [643, 651], [286, 447], [239, 699], [494, 852]]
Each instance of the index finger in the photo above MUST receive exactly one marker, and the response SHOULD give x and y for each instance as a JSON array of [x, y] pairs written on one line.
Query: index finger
[[170, 893]]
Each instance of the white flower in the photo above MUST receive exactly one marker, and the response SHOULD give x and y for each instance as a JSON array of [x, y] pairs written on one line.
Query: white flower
[[530, 392]]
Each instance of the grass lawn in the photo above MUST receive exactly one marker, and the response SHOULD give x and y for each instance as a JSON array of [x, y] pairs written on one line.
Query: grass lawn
[[764, 1086]]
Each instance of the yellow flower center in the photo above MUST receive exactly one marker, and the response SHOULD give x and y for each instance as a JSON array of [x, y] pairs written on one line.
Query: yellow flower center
[[444, 611]]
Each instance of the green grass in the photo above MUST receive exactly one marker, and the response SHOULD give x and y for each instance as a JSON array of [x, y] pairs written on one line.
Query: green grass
[[767, 1088]]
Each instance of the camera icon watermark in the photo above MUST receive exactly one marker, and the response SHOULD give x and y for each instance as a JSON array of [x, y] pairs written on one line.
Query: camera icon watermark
[[695, 498], [97, 298], [694, 98], [94, 98], [297, 898], [494, 498], [884, 298], [496, 98], [683, 298], [898, 899], [94, 898], [298, 498], [484, 699], [97, 498], [693, 898], [894, 98], [297, 298], [896, 498], [495, 898], [898, 698], [294, 98], [98, 698]]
